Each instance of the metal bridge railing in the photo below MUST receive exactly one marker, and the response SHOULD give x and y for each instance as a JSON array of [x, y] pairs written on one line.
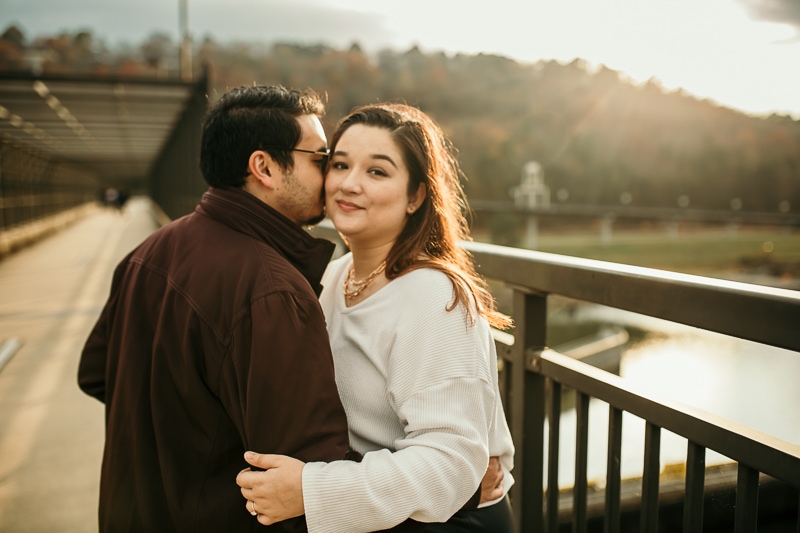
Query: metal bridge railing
[[175, 182], [533, 376], [34, 186]]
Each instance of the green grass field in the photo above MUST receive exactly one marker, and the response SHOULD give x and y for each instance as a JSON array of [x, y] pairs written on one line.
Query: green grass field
[[773, 253], [700, 251]]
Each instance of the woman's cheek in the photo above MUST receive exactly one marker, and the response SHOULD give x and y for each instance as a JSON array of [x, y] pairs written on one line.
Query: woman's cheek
[[330, 184]]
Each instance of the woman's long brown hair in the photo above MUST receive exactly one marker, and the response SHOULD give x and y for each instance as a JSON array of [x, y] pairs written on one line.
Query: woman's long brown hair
[[432, 233]]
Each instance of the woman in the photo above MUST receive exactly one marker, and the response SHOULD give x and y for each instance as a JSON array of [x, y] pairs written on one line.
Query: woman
[[409, 324]]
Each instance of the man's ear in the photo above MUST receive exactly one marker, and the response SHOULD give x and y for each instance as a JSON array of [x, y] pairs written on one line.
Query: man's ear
[[263, 168]]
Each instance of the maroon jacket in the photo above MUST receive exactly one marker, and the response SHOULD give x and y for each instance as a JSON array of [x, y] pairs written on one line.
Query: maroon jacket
[[212, 342]]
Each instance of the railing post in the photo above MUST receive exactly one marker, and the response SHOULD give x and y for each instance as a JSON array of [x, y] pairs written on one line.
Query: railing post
[[527, 406], [695, 481], [554, 438], [611, 521], [746, 517], [579, 487], [650, 478], [798, 514]]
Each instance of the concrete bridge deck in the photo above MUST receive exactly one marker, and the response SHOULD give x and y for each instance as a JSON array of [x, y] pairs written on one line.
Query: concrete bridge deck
[[51, 434]]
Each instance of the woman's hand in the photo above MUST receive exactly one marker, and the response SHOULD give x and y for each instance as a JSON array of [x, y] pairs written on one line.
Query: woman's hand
[[492, 483], [275, 494]]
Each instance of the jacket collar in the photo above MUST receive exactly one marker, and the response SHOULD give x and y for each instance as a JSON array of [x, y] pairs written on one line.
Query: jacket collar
[[243, 212]]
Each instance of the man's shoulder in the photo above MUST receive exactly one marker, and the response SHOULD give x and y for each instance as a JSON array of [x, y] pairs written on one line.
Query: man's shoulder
[[278, 273]]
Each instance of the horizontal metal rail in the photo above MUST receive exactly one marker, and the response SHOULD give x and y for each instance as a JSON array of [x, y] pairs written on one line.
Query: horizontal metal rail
[[765, 315], [762, 314], [766, 454]]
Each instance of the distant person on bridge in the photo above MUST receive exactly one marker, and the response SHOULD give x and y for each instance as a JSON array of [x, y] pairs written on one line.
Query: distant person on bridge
[[409, 321], [212, 341]]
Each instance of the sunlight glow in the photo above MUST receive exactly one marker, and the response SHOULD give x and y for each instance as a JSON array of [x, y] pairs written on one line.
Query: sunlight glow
[[712, 49]]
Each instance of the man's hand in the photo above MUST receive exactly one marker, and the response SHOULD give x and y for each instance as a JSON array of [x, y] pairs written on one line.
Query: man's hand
[[275, 494], [492, 483]]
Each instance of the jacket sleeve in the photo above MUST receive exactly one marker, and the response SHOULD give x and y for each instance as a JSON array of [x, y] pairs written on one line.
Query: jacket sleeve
[[278, 381], [94, 357], [92, 366]]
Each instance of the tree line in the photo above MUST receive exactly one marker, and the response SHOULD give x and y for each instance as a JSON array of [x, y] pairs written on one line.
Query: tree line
[[600, 138]]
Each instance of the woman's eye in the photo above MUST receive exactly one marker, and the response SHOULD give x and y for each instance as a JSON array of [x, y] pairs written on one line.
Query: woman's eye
[[338, 165], [378, 172]]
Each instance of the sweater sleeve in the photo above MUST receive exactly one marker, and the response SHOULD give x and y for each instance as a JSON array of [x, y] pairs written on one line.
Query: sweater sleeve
[[440, 388]]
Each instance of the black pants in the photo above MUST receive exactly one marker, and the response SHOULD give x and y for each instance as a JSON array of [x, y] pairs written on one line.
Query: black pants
[[493, 519]]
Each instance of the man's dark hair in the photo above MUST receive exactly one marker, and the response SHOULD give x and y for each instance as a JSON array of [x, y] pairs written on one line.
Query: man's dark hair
[[246, 119]]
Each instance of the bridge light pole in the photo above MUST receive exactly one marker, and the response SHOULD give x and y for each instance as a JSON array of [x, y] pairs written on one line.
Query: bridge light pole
[[733, 223], [532, 194], [185, 57], [606, 230]]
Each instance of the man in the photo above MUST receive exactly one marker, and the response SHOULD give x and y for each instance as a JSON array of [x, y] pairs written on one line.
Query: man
[[212, 341]]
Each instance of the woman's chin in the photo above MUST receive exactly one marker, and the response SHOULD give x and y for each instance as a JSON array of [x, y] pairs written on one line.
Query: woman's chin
[[344, 224]]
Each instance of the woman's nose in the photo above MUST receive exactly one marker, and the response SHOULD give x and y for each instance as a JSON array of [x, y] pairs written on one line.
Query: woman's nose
[[350, 182]]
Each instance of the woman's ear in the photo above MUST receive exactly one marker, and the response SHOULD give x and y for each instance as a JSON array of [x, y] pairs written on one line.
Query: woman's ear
[[262, 168], [416, 199]]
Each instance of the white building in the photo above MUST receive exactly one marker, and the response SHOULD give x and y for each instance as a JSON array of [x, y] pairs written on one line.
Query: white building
[[532, 193]]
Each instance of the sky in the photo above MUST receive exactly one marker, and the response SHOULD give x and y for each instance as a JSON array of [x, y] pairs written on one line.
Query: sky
[[743, 54]]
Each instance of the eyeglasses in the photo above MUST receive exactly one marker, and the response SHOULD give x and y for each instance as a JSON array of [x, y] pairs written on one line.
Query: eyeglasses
[[324, 154]]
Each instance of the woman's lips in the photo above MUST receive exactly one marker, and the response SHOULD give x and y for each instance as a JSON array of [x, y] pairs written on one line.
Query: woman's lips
[[347, 206]]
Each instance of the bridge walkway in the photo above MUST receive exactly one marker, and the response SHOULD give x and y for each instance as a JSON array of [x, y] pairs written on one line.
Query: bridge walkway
[[51, 434]]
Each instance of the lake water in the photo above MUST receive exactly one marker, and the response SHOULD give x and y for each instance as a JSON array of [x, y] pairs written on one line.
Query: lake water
[[745, 382]]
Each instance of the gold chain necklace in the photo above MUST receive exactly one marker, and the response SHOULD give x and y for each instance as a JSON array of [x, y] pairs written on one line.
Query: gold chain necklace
[[360, 285]]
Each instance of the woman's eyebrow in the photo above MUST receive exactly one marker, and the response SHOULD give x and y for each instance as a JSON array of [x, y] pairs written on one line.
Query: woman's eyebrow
[[373, 156], [385, 158]]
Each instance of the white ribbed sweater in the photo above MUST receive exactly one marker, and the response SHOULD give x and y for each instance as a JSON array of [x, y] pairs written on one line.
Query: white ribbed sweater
[[419, 385]]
